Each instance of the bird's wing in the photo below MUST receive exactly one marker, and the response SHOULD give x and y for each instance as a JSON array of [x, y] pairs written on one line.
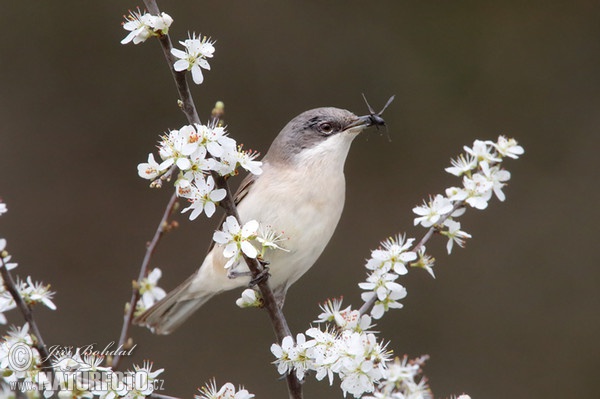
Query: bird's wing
[[239, 195]]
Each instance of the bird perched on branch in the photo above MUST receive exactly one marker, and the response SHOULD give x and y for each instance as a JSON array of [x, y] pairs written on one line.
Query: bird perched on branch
[[300, 192]]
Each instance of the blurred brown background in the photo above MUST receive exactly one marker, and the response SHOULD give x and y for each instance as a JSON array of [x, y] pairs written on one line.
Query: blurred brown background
[[515, 314]]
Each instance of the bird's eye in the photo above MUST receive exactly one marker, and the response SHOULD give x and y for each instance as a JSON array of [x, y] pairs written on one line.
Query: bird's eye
[[325, 127]]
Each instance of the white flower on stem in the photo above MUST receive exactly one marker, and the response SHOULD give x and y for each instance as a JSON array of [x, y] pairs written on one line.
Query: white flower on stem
[[177, 146], [201, 165], [236, 239], [346, 319], [393, 255], [461, 165], [215, 139], [496, 177], [149, 290], [33, 293], [149, 170], [246, 159], [203, 197], [141, 26], [482, 151], [478, 190], [508, 147], [270, 239], [250, 299], [140, 383], [291, 355], [381, 286], [454, 234], [424, 261], [362, 364], [227, 391], [5, 257], [430, 212], [194, 57], [6, 302]]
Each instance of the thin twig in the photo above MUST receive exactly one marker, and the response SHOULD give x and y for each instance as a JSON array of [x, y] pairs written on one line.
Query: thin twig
[[9, 284], [159, 396], [186, 103], [366, 307], [163, 225]]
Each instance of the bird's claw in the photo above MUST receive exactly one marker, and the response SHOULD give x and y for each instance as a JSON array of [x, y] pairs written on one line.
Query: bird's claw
[[262, 276]]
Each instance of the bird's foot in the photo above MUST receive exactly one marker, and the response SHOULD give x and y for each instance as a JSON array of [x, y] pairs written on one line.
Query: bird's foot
[[262, 276]]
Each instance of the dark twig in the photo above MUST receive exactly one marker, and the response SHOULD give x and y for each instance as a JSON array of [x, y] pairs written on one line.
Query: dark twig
[[163, 226], [11, 287], [186, 104], [366, 307]]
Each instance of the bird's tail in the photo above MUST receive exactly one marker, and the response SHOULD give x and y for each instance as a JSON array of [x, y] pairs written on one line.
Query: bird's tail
[[171, 311]]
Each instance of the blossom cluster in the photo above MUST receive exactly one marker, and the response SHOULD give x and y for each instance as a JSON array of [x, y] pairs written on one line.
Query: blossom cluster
[[142, 25], [227, 391], [31, 292], [197, 151], [74, 375], [483, 176], [346, 348]]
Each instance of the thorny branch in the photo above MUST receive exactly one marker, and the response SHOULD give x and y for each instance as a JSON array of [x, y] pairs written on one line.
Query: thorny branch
[[162, 228], [186, 103], [366, 307]]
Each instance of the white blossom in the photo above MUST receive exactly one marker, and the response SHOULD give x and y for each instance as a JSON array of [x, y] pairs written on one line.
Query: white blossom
[[3, 208], [478, 190], [33, 293], [345, 319], [380, 286], [149, 290], [6, 257], [496, 177], [454, 234], [236, 239], [203, 197], [250, 299], [393, 255], [482, 151], [149, 170], [141, 26], [227, 391], [424, 261], [461, 165], [430, 212], [194, 57], [508, 147]]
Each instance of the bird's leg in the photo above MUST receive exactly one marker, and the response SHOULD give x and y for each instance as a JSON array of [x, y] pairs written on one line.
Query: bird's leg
[[231, 274]]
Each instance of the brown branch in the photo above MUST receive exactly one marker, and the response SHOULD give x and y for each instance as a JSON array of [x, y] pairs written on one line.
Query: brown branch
[[366, 307], [186, 103], [11, 287], [163, 226]]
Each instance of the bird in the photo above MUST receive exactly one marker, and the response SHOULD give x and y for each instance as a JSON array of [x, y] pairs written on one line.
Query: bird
[[301, 192]]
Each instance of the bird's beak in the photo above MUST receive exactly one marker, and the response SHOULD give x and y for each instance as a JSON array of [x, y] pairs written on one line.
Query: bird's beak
[[365, 121]]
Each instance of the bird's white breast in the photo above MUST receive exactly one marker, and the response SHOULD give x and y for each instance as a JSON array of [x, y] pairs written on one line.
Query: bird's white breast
[[304, 201]]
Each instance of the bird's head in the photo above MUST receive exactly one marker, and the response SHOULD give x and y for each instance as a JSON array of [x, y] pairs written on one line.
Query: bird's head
[[319, 134]]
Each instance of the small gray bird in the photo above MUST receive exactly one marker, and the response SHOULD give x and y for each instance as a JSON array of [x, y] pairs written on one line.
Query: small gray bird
[[301, 193]]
